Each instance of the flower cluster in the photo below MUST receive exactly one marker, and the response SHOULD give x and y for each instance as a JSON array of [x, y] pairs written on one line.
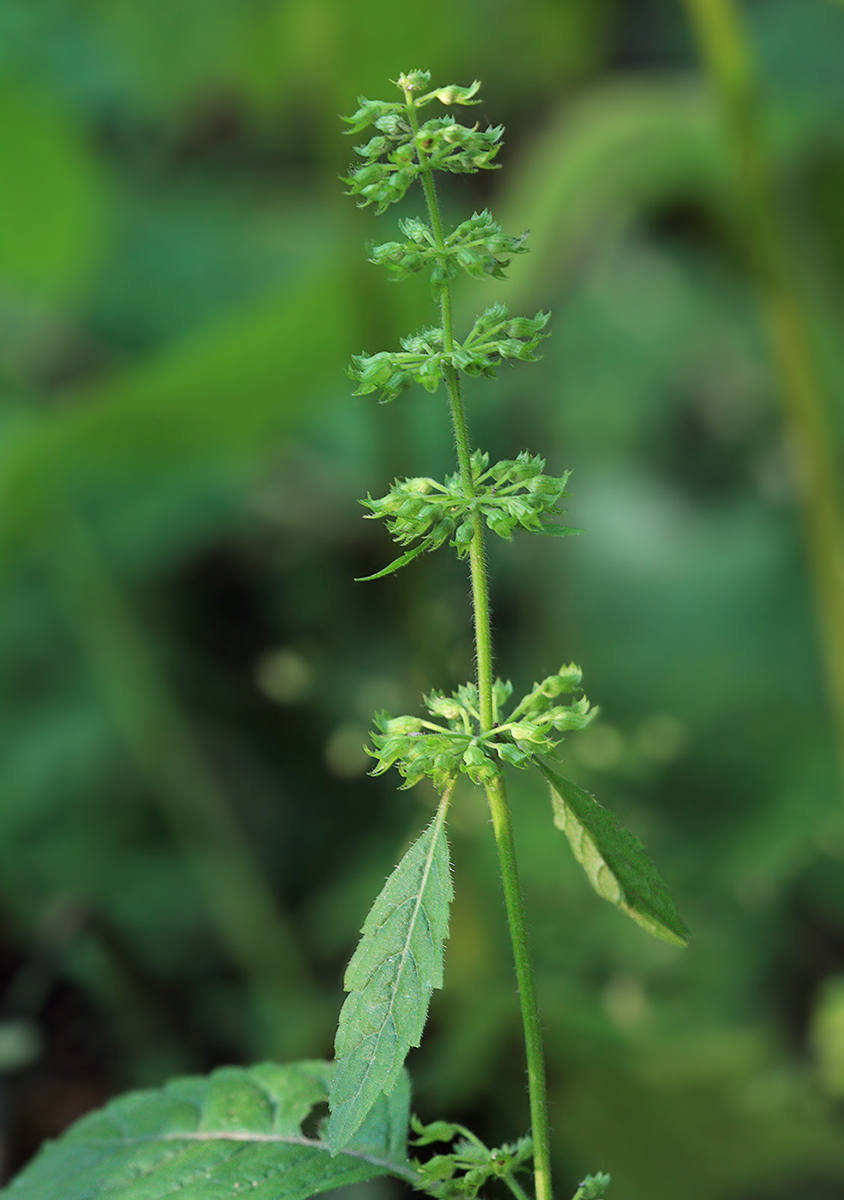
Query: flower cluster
[[511, 494], [493, 338], [533, 725], [460, 149], [392, 158], [515, 493], [372, 111], [420, 360], [478, 246], [419, 748], [461, 1174]]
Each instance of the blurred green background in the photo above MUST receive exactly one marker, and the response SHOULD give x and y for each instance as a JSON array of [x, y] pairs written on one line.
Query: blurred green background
[[188, 838]]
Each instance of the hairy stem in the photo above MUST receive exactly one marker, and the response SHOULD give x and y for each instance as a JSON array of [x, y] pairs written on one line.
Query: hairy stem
[[516, 1188], [534, 1053], [496, 794], [727, 53]]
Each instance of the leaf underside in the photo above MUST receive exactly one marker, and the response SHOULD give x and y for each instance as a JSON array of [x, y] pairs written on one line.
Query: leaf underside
[[613, 859], [397, 964], [235, 1132]]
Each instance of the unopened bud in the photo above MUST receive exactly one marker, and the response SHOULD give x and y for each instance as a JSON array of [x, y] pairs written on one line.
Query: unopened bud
[[403, 725]]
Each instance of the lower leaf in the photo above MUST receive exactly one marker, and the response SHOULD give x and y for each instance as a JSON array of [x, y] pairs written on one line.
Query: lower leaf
[[236, 1131], [398, 963], [613, 859]]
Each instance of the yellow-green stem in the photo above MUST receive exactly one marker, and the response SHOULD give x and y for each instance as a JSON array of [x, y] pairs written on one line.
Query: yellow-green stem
[[726, 51], [496, 794]]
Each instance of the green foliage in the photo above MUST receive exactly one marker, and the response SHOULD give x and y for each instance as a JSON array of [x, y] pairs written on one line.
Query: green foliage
[[391, 159], [182, 387], [474, 740], [236, 1129], [509, 495], [470, 1165], [424, 358], [594, 1187], [477, 245], [53, 198], [613, 859], [418, 747], [372, 111], [396, 966]]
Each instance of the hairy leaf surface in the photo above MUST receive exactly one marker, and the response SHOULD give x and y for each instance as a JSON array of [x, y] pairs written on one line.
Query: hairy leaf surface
[[398, 963], [236, 1131], [613, 859]]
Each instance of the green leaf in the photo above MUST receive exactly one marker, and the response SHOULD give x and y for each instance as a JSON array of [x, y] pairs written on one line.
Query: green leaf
[[395, 565], [613, 859], [398, 963], [176, 411], [593, 1187], [234, 1130], [53, 203]]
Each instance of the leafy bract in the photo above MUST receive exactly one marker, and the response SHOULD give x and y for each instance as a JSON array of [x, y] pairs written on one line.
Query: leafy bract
[[593, 1187], [478, 245], [398, 963], [511, 494], [463, 1171], [419, 748], [613, 859], [236, 1130], [494, 338]]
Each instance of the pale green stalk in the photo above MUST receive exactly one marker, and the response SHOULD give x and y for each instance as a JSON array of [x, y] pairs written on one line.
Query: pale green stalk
[[726, 51], [516, 1188], [496, 794]]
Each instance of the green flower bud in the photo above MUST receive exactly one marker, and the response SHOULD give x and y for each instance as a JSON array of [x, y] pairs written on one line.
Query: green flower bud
[[420, 485], [403, 725], [413, 81], [526, 731], [443, 706], [458, 95]]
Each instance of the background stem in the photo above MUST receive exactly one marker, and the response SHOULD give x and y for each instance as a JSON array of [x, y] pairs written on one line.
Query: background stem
[[726, 51]]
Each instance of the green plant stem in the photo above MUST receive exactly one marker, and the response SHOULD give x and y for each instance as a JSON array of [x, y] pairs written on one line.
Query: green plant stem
[[495, 791], [516, 1188], [726, 50], [514, 901]]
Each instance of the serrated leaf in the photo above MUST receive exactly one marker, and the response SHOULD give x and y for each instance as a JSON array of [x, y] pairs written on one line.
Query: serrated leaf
[[397, 965], [236, 1130], [593, 1187], [614, 860]]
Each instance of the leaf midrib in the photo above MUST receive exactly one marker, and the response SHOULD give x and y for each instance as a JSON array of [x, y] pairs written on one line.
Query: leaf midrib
[[436, 830], [246, 1136]]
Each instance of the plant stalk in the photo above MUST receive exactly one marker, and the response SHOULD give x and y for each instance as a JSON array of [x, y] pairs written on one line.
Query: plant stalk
[[495, 791], [726, 51], [514, 900]]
